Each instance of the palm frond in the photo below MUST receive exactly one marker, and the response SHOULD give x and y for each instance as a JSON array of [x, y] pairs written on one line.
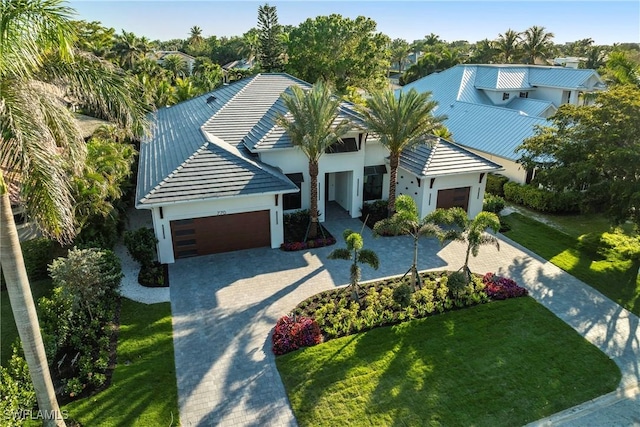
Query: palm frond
[[340, 253], [367, 256]]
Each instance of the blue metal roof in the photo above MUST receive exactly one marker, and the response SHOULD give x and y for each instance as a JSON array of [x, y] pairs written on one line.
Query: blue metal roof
[[476, 122]]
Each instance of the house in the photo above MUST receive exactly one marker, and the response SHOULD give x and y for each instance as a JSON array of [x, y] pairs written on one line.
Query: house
[[491, 109], [160, 55], [218, 173]]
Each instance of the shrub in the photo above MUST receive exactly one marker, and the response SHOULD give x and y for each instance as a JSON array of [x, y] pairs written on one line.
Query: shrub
[[500, 288], [376, 211], [141, 244], [542, 200], [87, 275], [402, 295], [457, 282], [291, 333], [37, 254], [16, 391], [493, 203], [495, 184], [615, 244], [151, 275]]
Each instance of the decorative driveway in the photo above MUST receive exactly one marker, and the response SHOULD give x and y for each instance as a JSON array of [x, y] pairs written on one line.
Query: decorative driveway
[[224, 307]]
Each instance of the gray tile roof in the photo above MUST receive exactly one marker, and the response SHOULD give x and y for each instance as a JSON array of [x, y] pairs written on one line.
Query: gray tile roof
[[473, 119], [249, 106], [213, 172], [225, 114], [267, 135], [441, 157]]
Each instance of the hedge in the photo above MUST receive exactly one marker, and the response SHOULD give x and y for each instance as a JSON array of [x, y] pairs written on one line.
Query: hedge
[[542, 200], [495, 184]]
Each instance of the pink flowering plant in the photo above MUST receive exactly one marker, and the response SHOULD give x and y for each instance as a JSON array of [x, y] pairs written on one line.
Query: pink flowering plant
[[498, 287], [293, 332]]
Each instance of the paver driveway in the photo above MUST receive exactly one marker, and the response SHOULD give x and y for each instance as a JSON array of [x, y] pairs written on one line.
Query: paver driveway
[[225, 305]]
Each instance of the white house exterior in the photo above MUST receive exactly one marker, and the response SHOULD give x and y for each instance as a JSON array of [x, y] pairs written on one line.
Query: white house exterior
[[219, 173], [491, 109], [161, 55]]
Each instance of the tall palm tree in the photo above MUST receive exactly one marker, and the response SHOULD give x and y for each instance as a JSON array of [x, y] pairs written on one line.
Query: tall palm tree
[[399, 50], [507, 45], [195, 36], [537, 44], [313, 126], [40, 144], [469, 231], [127, 49], [400, 122]]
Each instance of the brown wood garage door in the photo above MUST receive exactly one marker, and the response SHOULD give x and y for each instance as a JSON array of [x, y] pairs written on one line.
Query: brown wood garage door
[[222, 233], [454, 197]]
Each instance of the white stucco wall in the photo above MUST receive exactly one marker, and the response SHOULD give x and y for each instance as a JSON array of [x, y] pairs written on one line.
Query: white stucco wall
[[228, 206], [476, 192], [294, 161], [512, 169], [407, 183]]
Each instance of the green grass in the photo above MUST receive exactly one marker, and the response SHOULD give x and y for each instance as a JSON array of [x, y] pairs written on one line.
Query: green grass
[[504, 363], [143, 391], [616, 278], [8, 330]]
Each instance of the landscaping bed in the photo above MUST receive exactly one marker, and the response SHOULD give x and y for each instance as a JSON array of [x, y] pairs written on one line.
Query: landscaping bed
[[505, 363], [296, 236]]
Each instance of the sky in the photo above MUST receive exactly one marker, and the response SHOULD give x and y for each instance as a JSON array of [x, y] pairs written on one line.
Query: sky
[[606, 22]]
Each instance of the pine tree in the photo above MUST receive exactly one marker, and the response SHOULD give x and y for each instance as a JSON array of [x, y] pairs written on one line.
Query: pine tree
[[270, 48]]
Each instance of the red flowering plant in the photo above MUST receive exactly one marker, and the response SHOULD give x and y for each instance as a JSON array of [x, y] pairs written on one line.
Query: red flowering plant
[[293, 332], [498, 287]]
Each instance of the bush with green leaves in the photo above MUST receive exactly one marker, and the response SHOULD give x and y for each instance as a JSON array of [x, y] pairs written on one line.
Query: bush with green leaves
[[141, 244], [76, 319], [542, 200], [37, 255], [374, 211], [388, 302], [495, 184], [493, 203], [16, 391]]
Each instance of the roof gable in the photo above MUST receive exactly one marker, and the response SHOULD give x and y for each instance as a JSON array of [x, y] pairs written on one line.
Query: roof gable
[[213, 172], [441, 157]]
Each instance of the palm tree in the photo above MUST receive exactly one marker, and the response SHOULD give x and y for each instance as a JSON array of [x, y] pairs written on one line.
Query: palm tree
[[195, 36], [507, 45], [537, 43], [313, 126], [470, 231], [399, 50], [355, 252], [406, 220], [444, 133], [400, 123], [127, 49], [40, 144], [175, 65]]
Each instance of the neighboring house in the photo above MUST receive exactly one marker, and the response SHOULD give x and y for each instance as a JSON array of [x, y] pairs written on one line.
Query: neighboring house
[[160, 55], [491, 109], [569, 62], [240, 64], [219, 173]]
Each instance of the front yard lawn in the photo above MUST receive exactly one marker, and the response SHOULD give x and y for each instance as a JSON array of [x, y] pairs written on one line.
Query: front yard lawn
[[503, 363], [616, 278], [143, 391]]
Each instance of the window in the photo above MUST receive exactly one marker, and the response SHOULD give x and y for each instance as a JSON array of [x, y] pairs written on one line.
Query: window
[[293, 200], [524, 94], [372, 186], [347, 145], [505, 96]]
